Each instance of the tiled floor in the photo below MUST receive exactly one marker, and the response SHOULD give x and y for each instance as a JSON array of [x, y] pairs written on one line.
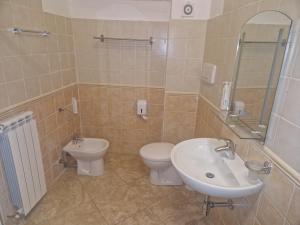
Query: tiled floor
[[123, 196]]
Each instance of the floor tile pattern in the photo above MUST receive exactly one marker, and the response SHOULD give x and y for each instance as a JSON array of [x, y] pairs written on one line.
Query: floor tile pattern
[[122, 196]]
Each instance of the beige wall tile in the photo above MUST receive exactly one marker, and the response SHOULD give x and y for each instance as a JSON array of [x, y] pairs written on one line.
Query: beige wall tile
[[46, 84], [50, 23], [5, 15], [33, 88], [3, 96], [55, 62], [179, 117], [26, 58], [12, 69], [290, 7], [278, 188], [290, 109], [16, 91], [119, 62], [175, 66], [21, 2], [60, 22], [56, 80], [68, 77], [293, 214], [186, 47], [30, 66], [185, 103], [159, 30], [267, 214], [35, 4], [195, 48], [177, 48], [21, 16], [112, 115], [37, 19], [287, 141]]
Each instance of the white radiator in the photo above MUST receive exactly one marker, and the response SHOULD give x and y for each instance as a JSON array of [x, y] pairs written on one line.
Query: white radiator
[[22, 160]]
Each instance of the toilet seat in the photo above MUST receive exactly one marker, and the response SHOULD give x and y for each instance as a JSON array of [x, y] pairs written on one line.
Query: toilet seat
[[158, 152]]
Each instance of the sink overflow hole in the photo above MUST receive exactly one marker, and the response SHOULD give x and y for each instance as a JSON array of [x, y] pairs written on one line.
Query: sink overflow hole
[[210, 175]]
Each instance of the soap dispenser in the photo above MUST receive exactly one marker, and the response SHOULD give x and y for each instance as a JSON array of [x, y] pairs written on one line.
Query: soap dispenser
[[142, 109]]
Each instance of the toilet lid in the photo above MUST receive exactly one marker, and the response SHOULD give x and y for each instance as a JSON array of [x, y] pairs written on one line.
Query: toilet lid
[[157, 151]]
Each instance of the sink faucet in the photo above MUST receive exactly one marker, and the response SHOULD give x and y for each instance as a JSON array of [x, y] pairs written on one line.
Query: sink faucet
[[76, 139], [229, 148]]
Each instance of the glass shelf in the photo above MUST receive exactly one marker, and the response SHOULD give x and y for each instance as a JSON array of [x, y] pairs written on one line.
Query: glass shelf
[[241, 129]]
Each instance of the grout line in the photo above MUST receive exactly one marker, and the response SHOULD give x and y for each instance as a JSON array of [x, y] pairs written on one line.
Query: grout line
[[95, 205], [92, 201], [259, 200], [120, 85], [12, 108], [290, 202]]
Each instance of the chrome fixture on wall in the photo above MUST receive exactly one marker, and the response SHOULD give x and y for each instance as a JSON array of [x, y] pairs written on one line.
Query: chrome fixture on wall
[[102, 38], [17, 30]]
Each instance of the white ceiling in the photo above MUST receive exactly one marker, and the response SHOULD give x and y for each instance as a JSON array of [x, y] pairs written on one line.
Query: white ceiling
[[154, 0], [143, 10], [138, 10]]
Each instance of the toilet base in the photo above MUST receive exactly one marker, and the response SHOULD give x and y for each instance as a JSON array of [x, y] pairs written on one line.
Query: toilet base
[[90, 168], [165, 176]]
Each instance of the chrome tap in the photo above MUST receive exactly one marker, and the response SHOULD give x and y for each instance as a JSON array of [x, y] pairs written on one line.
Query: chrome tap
[[229, 148], [76, 139]]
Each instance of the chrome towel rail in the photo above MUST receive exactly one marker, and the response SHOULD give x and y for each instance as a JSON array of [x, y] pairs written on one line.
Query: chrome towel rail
[[102, 38], [17, 30]]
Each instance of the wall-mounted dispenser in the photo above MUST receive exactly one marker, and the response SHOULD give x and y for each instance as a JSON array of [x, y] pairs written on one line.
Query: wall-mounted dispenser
[[239, 108], [209, 73], [142, 109], [225, 100], [74, 105]]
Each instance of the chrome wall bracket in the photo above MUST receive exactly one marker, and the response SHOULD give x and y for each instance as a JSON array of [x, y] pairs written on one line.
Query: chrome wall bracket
[[208, 205], [259, 168]]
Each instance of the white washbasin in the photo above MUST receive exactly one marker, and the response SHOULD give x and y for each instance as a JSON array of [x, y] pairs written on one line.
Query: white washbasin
[[194, 158]]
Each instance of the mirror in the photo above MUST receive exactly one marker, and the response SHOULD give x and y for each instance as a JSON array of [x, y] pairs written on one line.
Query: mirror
[[261, 51]]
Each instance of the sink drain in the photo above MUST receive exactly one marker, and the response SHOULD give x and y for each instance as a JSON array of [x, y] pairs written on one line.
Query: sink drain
[[210, 175]]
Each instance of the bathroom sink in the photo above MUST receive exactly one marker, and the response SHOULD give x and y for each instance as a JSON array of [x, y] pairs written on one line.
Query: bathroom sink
[[210, 172]]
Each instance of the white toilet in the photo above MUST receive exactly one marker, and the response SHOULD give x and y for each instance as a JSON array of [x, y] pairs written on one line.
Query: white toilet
[[89, 154], [157, 156]]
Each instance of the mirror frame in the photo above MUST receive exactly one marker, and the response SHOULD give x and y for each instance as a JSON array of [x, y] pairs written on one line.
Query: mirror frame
[[246, 128]]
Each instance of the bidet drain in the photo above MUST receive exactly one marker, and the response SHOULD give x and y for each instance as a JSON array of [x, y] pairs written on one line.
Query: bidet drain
[[210, 175]]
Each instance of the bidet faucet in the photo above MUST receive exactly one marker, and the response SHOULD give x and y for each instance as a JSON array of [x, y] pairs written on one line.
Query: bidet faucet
[[228, 148], [76, 139]]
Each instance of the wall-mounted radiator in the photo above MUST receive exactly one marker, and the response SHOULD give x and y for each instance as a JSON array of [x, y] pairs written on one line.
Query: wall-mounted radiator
[[22, 161]]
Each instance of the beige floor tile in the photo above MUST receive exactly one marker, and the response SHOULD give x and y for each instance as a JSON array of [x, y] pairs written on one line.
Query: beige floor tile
[[85, 214], [145, 217], [130, 176], [118, 203], [109, 179], [62, 198], [129, 168], [122, 196], [173, 212]]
